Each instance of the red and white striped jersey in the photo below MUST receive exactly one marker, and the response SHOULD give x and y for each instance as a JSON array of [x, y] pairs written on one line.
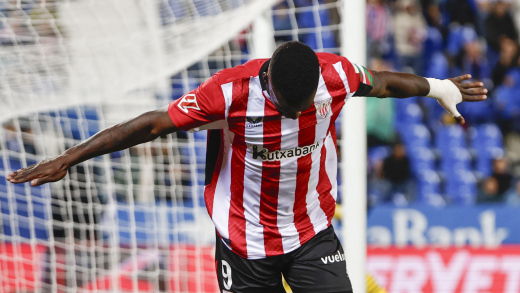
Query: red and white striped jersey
[[274, 183]]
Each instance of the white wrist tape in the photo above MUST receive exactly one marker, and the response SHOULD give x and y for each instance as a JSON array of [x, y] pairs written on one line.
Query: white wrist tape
[[446, 93]]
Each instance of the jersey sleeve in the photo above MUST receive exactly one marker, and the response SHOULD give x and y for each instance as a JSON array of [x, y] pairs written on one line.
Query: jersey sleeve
[[359, 78], [199, 107]]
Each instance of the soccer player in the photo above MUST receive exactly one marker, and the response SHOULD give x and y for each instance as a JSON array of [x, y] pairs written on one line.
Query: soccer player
[[271, 168]]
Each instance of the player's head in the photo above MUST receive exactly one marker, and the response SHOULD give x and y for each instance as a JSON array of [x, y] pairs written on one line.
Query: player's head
[[292, 78]]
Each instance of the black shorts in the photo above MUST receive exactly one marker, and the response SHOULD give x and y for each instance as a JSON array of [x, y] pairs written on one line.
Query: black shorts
[[317, 266]]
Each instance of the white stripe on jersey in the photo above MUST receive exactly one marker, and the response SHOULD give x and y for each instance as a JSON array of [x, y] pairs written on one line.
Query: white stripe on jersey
[[287, 187], [339, 68], [222, 198], [314, 211], [227, 89], [331, 165], [316, 214], [253, 176], [355, 67]]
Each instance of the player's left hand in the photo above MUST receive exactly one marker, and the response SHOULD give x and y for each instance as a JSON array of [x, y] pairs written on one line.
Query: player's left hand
[[471, 91]]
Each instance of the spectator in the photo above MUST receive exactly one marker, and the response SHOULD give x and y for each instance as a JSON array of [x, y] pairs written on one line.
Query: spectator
[[396, 171], [508, 59], [507, 103], [410, 33], [434, 18], [458, 37], [472, 60], [502, 175], [489, 192], [463, 12], [499, 25], [378, 29]]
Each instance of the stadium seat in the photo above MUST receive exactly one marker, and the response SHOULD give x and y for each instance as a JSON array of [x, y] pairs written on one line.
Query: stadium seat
[[428, 191], [69, 113], [439, 67], [449, 137], [432, 46], [178, 8], [421, 159], [461, 188], [14, 164], [3, 184], [69, 125], [90, 113], [205, 8], [458, 37], [27, 210], [407, 112], [147, 218], [416, 135], [328, 39], [487, 143], [484, 166], [474, 113], [377, 154], [429, 180], [484, 137], [454, 160]]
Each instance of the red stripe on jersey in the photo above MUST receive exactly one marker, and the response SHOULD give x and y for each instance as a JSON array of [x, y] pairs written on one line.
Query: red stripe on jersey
[[334, 84], [354, 79], [327, 202], [336, 88], [270, 184], [209, 192], [306, 136], [237, 220]]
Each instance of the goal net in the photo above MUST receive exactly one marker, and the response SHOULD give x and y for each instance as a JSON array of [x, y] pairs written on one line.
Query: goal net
[[135, 220]]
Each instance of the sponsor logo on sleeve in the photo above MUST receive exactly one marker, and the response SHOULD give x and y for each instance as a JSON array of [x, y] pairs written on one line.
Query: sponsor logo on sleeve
[[188, 102], [323, 108]]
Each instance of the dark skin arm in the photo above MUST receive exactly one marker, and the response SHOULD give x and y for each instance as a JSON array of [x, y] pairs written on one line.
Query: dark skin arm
[[144, 128], [404, 85]]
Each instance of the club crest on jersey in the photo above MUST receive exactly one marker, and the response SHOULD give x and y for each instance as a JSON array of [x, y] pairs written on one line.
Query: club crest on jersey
[[323, 108], [252, 122], [278, 155], [187, 102]]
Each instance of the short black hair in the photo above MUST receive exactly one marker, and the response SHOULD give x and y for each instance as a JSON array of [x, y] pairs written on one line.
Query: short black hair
[[295, 72]]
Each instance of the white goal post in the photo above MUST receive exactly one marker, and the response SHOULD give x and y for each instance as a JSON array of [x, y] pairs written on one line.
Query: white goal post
[[135, 221]]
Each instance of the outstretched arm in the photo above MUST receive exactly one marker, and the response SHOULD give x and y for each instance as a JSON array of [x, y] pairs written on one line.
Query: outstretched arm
[[404, 85], [144, 128]]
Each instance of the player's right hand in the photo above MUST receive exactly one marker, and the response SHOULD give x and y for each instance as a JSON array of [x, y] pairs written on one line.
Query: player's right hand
[[469, 92], [50, 170]]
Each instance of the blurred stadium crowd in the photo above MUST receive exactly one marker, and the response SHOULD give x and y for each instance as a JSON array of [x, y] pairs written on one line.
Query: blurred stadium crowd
[[416, 152]]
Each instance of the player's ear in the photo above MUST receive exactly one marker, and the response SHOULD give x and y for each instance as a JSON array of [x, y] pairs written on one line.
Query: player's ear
[[265, 77]]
